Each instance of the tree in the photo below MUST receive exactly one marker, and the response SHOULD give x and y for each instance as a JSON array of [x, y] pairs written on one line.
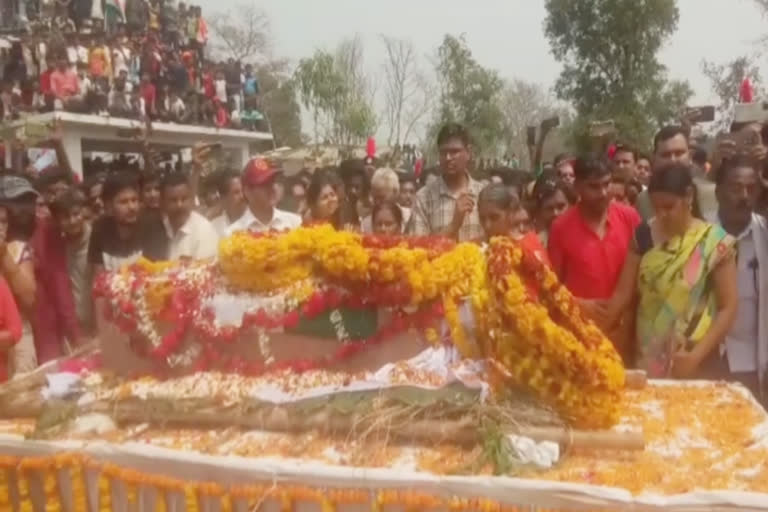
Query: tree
[[278, 103], [245, 37], [469, 94], [608, 49], [525, 104], [407, 95], [725, 81], [334, 89]]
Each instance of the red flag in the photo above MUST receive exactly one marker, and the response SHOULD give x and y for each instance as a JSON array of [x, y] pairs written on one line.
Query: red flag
[[745, 91], [370, 147]]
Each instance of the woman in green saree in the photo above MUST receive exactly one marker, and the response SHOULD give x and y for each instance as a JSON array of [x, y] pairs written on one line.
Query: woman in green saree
[[682, 275]]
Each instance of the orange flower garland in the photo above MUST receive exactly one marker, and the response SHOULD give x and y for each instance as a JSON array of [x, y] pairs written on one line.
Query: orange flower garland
[[572, 365], [79, 496], [5, 485], [253, 495], [25, 498], [105, 493]]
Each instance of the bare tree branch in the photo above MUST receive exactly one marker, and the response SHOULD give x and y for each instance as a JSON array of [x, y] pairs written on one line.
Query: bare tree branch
[[406, 98], [242, 34]]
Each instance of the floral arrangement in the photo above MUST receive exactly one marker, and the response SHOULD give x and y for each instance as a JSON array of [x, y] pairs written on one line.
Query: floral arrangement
[[526, 323], [197, 496]]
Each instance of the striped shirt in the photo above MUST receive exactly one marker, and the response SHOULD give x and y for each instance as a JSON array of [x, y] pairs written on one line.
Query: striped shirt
[[434, 207]]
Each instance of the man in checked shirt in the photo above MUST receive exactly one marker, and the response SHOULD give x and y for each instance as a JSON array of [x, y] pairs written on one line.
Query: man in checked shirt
[[448, 206]]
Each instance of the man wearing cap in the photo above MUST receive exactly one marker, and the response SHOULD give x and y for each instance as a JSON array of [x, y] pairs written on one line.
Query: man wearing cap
[[259, 189]]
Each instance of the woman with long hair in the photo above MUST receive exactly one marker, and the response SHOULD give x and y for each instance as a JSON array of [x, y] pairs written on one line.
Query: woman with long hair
[[682, 273]]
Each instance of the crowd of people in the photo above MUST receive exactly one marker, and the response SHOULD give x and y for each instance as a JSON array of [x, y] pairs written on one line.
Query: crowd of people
[[673, 272], [149, 62]]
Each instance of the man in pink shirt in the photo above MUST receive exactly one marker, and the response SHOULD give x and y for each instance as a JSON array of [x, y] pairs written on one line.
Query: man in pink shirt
[[64, 83]]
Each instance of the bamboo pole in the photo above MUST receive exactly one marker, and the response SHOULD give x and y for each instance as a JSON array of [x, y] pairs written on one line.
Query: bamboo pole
[[279, 419]]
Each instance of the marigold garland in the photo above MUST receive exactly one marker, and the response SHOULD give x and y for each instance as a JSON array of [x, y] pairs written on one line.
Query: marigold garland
[[570, 364], [525, 320], [105, 493], [5, 489], [79, 493], [252, 495]]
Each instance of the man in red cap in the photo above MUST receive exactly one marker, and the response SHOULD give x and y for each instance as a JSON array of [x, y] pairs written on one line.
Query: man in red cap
[[259, 190]]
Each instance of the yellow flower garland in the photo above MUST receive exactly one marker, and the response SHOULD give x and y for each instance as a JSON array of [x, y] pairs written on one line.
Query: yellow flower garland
[[79, 495], [568, 363], [105, 493], [556, 361], [287, 495]]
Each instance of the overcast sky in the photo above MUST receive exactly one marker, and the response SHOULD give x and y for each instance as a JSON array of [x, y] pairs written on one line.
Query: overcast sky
[[504, 34]]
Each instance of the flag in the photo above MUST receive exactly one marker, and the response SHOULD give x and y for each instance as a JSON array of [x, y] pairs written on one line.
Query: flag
[[745, 91], [117, 7]]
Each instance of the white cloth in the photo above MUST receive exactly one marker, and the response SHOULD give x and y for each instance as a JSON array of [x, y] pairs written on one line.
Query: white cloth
[[196, 239], [281, 220]]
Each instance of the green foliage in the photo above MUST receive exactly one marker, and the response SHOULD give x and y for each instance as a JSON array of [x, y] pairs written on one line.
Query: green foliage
[[279, 104], [608, 49], [469, 94], [333, 90]]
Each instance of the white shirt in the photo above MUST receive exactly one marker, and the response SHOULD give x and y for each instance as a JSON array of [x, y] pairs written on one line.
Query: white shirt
[[741, 341], [120, 58], [281, 221], [82, 54], [85, 84], [221, 223], [196, 239], [177, 107], [72, 55]]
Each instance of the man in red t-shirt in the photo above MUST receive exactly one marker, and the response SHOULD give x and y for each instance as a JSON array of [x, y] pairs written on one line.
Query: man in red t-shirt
[[589, 242]]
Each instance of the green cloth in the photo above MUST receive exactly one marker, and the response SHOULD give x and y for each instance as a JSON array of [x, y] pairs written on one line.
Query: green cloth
[[340, 324]]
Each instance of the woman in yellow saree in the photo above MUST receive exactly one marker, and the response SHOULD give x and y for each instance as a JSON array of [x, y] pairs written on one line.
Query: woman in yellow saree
[[682, 273]]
